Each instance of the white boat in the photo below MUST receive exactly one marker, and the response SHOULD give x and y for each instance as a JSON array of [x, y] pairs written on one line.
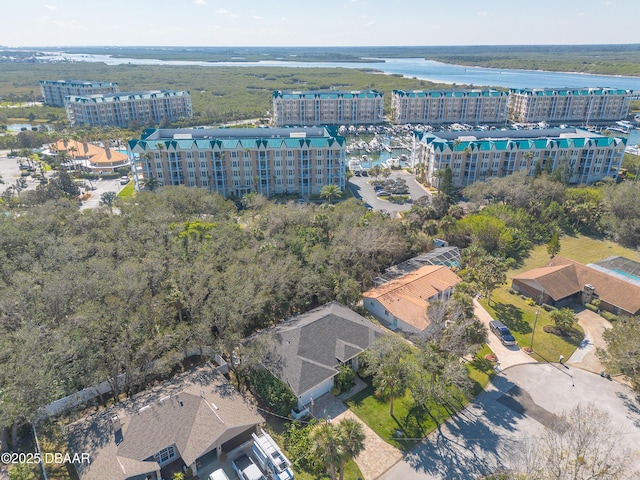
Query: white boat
[[354, 164]]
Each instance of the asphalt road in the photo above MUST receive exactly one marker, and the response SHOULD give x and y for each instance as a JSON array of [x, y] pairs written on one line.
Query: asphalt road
[[481, 438], [362, 189]]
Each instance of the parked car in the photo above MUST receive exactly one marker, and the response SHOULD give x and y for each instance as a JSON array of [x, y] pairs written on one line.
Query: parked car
[[382, 193], [502, 332], [364, 173], [124, 180], [218, 475]]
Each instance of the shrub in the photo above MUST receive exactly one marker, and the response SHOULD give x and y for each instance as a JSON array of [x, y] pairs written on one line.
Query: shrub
[[591, 307], [511, 291], [297, 442], [530, 301], [596, 302], [608, 315], [548, 308], [274, 393], [344, 379]]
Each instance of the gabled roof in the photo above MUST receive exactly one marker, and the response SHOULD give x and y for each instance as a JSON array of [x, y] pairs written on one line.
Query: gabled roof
[[406, 297], [194, 412], [563, 277], [310, 347]]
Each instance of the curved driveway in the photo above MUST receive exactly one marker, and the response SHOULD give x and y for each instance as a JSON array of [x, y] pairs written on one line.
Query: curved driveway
[[519, 400]]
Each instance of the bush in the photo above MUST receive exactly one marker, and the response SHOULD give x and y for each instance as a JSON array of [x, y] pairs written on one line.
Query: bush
[[548, 308], [297, 442], [274, 393], [344, 379], [608, 315], [591, 307], [531, 302], [511, 291]]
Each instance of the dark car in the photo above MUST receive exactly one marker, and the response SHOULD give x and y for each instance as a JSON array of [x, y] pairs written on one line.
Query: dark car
[[502, 332]]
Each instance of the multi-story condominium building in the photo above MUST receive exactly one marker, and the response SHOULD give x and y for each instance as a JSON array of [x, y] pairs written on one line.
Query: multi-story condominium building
[[584, 156], [327, 107], [236, 161], [119, 109], [584, 106], [55, 91], [436, 107]]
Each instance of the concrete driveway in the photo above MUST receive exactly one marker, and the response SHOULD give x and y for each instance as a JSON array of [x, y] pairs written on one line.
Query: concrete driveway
[[519, 401], [585, 355], [362, 189], [507, 356]]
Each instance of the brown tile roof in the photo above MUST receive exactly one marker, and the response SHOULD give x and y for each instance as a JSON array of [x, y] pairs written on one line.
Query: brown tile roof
[[194, 412], [407, 297], [93, 153], [563, 277]]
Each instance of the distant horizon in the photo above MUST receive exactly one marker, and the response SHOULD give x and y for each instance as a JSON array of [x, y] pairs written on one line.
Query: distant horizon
[[320, 46], [275, 23]]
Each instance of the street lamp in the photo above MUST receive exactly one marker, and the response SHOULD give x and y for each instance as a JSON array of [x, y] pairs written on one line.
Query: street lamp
[[535, 321]]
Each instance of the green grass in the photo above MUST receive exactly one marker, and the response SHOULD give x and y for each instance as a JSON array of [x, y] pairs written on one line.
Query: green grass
[[127, 191], [480, 370], [409, 424], [513, 311]]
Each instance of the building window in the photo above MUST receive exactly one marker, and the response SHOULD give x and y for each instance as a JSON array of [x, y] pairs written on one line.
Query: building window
[[165, 455]]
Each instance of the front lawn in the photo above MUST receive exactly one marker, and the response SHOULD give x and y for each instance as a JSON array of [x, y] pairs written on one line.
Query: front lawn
[[410, 423], [513, 311]]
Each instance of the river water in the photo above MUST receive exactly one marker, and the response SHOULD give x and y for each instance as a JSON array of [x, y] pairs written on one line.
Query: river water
[[408, 67]]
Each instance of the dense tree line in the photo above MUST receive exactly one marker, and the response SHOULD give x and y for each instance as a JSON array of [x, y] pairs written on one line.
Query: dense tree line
[[87, 296]]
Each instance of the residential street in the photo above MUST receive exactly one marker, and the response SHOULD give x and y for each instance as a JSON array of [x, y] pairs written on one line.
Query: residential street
[[480, 439]]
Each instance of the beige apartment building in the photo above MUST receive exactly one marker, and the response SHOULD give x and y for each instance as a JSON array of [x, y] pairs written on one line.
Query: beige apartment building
[[585, 106], [584, 156], [55, 91], [236, 161], [330, 107], [436, 107], [121, 109]]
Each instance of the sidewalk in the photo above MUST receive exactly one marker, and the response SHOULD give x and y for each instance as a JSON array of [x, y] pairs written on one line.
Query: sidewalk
[[377, 456]]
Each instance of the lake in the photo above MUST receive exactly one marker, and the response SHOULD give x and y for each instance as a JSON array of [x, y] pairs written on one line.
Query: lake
[[408, 67]]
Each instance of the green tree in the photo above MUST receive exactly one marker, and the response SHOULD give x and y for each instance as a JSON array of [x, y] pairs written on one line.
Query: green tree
[[351, 437], [107, 198], [563, 319], [330, 192], [489, 273], [553, 247], [446, 183], [387, 360], [623, 345], [151, 183], [326, 447]]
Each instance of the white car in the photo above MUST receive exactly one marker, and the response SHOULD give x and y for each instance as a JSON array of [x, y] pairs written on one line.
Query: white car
[[218, 475], [124, 180]]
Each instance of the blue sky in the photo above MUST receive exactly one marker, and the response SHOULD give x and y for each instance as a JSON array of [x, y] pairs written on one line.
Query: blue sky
[[318, 22]]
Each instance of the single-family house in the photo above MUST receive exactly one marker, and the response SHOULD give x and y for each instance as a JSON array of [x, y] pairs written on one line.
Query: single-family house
[[563, 281], [310, 347], [402, 302], [189, 420]]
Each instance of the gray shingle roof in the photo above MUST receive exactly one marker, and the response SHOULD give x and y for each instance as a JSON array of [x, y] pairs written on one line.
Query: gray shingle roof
[[195, 412], [310, 347]]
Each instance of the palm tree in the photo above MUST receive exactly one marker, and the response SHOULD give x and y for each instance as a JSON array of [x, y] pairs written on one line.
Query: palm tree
[[330, 191], [151, 183], [352, 440], [326, 447]]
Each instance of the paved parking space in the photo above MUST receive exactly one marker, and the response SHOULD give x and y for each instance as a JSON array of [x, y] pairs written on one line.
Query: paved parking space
[[362, 189], [514, 407]]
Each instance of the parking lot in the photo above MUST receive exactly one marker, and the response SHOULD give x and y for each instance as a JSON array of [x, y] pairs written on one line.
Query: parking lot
[[362, 189]]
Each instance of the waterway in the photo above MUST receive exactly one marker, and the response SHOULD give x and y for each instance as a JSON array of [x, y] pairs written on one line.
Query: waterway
[[408, 67]]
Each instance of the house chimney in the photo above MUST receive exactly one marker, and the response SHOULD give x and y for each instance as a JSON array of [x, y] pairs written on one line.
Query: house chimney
[[117, 429]]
